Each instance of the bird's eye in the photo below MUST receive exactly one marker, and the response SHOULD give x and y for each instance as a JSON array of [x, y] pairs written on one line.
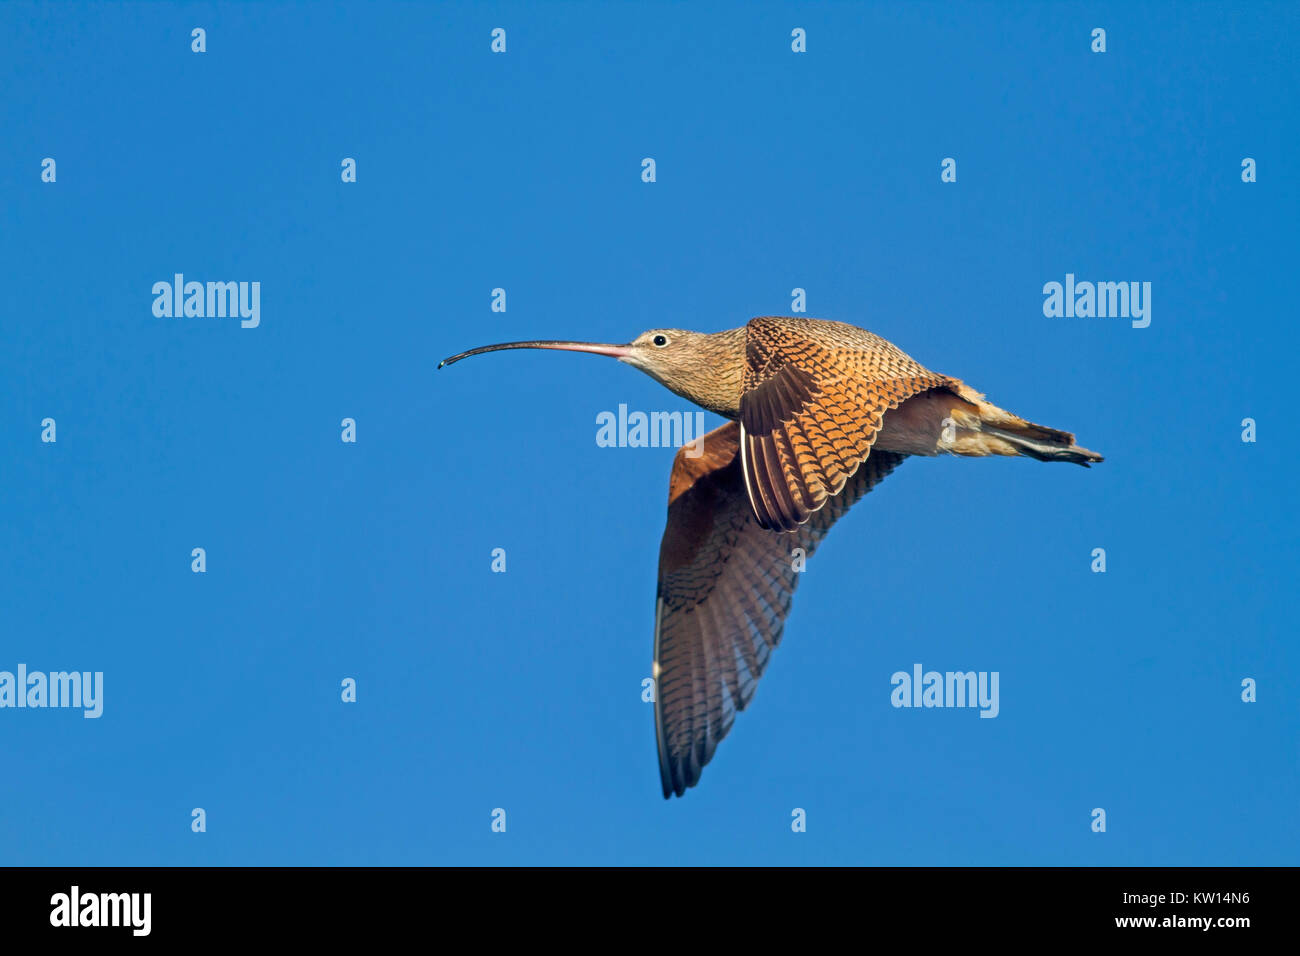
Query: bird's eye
[[660, 340]]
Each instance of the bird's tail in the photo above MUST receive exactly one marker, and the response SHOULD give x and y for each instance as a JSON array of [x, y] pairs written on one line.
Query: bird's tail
[[999, 432], [1045, 444]]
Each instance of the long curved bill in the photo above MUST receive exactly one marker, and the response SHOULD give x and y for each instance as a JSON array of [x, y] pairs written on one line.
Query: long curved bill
[[613, 351]]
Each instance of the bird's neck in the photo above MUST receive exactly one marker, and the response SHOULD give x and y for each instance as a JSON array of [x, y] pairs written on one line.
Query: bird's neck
[[716, 380]]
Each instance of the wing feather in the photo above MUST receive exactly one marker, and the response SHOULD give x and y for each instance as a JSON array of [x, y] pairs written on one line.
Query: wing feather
[[725, 588], [814, 397]]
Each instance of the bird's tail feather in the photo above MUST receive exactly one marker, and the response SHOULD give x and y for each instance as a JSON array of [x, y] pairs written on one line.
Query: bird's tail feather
[[999, 432], [1045, 444]]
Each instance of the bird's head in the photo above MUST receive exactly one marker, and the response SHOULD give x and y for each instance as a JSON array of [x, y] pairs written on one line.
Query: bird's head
[[670, 356], [703, 368]]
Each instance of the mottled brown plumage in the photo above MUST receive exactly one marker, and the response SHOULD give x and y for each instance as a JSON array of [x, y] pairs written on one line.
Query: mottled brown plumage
[[821, 412], [815, 395]]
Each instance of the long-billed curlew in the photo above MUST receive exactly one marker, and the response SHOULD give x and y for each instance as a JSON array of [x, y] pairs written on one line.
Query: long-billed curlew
[[820, 412]]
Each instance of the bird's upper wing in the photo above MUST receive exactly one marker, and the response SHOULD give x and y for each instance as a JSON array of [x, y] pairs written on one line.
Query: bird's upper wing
[[725, 586], [815, 395]]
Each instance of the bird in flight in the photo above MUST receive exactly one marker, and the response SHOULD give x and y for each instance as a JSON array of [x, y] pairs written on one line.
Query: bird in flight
[[819, 413]]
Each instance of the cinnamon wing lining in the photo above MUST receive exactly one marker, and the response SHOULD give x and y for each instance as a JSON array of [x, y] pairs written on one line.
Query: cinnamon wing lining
[[725, 589]]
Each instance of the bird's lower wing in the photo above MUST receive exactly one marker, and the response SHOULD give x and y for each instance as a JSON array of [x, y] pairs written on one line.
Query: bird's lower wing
[[725, 587], [814, 398]]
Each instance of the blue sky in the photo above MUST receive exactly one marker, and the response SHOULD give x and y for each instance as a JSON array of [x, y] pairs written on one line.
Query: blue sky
[[774, 170]]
